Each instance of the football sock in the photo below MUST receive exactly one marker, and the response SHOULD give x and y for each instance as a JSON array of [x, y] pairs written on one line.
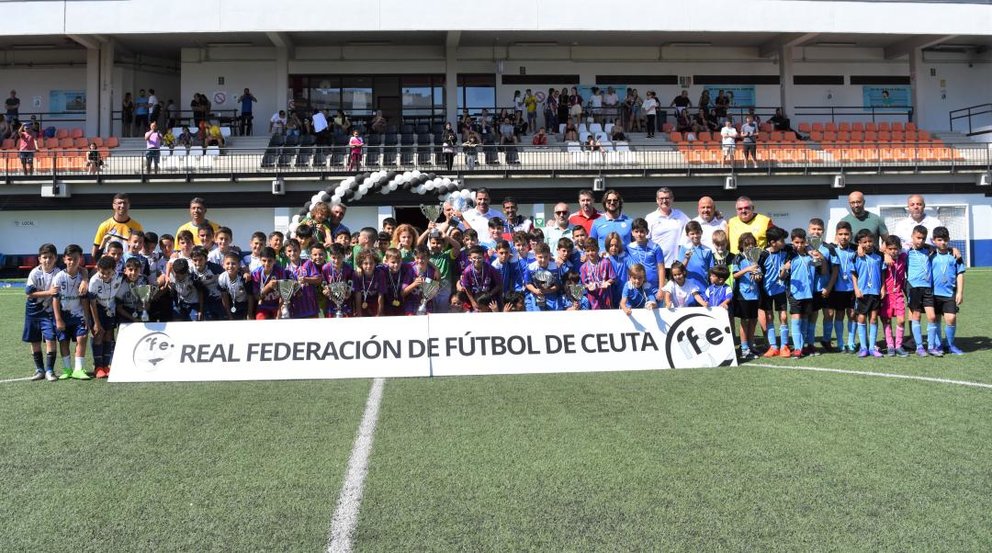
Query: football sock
[[797, 335], [97, 354], [745, 346], [888, 337], [79, 363], [828, 330], [872, 336], [809, 331], [917, 331], [862, 335], [108, 352], [50, 361], [900, 332], [783, 333], [851, 325], [38, 361], [950, 330], [839, 331], [770, 335], [932, 340], [67, 362]]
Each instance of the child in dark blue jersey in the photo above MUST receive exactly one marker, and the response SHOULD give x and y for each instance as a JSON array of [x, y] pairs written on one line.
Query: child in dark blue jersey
[[840, 303], [39, 320]]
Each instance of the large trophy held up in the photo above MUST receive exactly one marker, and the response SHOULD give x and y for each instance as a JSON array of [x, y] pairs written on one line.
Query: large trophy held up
[[814, 244], [144, 294], [287, 289], [338, 292], [429, 290], [432, 212]]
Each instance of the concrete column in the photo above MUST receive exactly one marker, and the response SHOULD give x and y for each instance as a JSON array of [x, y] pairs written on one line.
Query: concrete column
[[92, 91], [282, 87], [785, 80], [109, 101], [451, 86], [916, 82]]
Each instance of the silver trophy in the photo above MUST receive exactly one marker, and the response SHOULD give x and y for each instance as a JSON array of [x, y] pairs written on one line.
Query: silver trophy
[[814, 244], [287, 289], [752, 254], [428, 291], [144, 294], [542, 279], [432, 212], [576, 291], [338, 292]]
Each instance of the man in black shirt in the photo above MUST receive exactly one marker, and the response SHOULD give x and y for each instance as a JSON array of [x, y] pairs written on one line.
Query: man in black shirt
[[13, 105]]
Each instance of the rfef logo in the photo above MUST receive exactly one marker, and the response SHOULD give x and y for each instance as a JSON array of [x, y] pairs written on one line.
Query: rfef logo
[[700, 340], [152, 349]]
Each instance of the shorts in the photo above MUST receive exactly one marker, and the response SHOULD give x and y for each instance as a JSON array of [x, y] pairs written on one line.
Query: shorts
[[37, 329], [840, 300], [75, 327], [750, 149], [893, 306], [944, 305], [728, 149], [26, 157], [107, 322], [746, 309], [778, 302], [867, 304], [241, 311], [801, 307], [153, 155], [919, 298], [820, 302]]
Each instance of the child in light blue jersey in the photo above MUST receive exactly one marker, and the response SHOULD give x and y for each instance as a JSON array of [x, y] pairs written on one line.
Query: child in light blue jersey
[[868, 291], [919, 274], [841, 300], [948, 287], [802, 269]]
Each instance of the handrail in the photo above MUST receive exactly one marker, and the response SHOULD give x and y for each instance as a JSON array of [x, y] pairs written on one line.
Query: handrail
[[969, 113], [858, 111]]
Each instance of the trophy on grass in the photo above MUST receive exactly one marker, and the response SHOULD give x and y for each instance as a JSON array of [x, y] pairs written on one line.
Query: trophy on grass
[[143, 294], [286, 288], [542, 279], [814, 245], [338, 292], [432, 212], [429, 289]]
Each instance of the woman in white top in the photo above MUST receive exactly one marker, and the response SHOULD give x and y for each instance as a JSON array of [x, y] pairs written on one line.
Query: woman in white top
[[728, 136]]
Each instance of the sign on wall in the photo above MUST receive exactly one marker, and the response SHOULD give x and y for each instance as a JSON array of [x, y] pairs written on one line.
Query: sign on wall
[[67, 101], [886, 97], [435, 345]]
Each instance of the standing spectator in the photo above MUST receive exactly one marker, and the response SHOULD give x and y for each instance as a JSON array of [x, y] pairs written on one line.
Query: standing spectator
[[611, 101], [916, 209], [633, 104], [13, 105], [650, 108], [341, 123], [355, 146], [704, 102], [154, 109], [709, 219], [681, 103], [470, 148], [530, 104], [747, 220], [558, 228], [247, 101], [153, 146], [551, 111], [171, 114], [277, 125], [720, 105], [587, 213], [749, 132], [518, 104], [563, 106], [26, 147], [666, 225], [860, 219], [378, 123], [127, 115], [293, 124], [728, 138], [448, 144], [575, 104], [141, 111], [320, 126]]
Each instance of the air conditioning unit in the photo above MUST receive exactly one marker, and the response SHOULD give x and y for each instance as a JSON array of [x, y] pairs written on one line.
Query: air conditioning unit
[[279, 187], [599, 184], [56, 189], [685, 81]]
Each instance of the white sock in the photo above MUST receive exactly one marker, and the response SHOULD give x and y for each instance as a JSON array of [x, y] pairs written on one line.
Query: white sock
[[67, 362], [79, 363]]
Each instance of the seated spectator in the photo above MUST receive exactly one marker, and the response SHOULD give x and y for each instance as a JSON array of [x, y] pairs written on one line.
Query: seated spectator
[[780, 121], [684, 123], [506, 132], [342, 125], [169, 139], [466, 123], [213, 136], [541, 138], [277, 125], [571, 131], [700, 123], [592, 145], [617, 135], [185, 138], [93, 160], [470, 149], [378, 123], [293, 124], [486, 118], [519, 125]]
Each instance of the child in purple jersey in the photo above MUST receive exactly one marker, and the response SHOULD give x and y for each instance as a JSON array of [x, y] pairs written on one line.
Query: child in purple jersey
[[479, 278], [421, 271], [304, 304], [369, 285], [470, 239], [395, 273], [597, 276], [336, 270], [263, 283]]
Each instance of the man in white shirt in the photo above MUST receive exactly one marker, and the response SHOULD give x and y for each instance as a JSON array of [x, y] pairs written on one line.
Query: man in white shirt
[[478, 218], [916, 208], [278, 122], [728, 137], [650, 109], [666, 225], [709, 219], [320, 126]]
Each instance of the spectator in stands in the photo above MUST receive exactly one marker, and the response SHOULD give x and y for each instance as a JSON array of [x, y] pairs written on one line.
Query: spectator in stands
[[341, 123], [563, 105], [704, 102], [127, 115], [747, 220], [277, 125], [558, 227], [633, 105], [378, 123], [213, 137], [594, 104], [506, 132], [754, 116], [587, 213], [530, 104], [916, 209], [650, 108], [859, 218], [470, 147], [681, 103], [749, 134], [185, 138], [13, 106], [466, 123], [720, 105], [141, 111], [540, 138], [449, 143], [293, 124], [617, 135], [666, 225], [485, 118], [355, 147], [709, 219], [169, 139], [153, 147], [728, 139], [518, 104], [551, 111], [5, 129], [154, 108], [683, 122], [171, 114], [93, 160], [320, 127], [782, 123], [247, 100], [575, 104], [520, 127], [571, 131], [592, 145], [26, 147]]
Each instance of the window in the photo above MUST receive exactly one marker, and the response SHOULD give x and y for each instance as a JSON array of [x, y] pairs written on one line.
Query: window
[[476, 92]]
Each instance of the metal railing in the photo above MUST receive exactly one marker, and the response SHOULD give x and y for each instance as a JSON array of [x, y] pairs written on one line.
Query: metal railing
[[328, 161], [47, 119], [855, 113], [178, 118], [983, 112]]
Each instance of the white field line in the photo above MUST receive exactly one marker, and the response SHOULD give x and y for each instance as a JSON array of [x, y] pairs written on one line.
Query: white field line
[[346, 515], [869, 373], [15, 379]]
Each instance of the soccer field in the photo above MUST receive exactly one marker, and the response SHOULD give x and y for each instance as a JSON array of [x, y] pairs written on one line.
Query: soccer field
[[766, 456]]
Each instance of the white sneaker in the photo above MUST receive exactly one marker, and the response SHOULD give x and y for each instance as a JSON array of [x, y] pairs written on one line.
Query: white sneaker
[[50, 376], [38, 376]]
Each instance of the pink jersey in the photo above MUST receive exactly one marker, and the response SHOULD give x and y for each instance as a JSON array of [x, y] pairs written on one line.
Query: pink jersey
[[304, 303], [895, 276]]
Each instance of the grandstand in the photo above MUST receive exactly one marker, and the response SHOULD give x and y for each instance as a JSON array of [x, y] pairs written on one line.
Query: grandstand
[[892, 108]]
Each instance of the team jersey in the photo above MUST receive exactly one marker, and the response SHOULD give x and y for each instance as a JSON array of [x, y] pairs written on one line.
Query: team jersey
[[895, 275], [843, 258], [67, 287], [118, 232], [154, 269], [186, 290], [412, 302], [511, 275], [260, 280], [208, 279], [919, 266], [946, 269], [104, 293], [746, 286], [639, 296], [39, 281], [650, 256], [445, 262], [253, 262], [621, 264], [305, 303], [596, 273], [802, 277], [698, 266], [868, 269], [394, 286], [145, 268], [681, 295], [821, 280], [716, 294], [480, 281], [216, 255], [235, 287], [369, 286], [771, 263], [551, 300]]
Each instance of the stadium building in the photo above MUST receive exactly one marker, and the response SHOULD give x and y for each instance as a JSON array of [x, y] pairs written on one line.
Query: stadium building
[[889, 98]]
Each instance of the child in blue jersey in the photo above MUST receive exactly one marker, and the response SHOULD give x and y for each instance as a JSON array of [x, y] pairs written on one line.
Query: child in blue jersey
[[840, 303], [773, 298], [696, 257], [569, 302], [542, 296], [718, 293], [802, 269], [616, 252], [747, 292], [948, 286], [868, 292], [638, 293], [579, 236], [919, 275], [647, 253], [510, 272], [823, 283], [39, 321], [495, 236], [563, 261], [103, 291], [71, 311]]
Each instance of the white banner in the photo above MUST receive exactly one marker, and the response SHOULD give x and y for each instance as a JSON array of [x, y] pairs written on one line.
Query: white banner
[[435, 345]]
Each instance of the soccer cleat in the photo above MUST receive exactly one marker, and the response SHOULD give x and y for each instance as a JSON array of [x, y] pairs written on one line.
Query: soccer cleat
[[827, 348], [921, 352], [862, 352], [79, 374], [66, 374], [891, 352], [101, 372], [785, 352], [876, 353], [955, 350], [771, 352], [50, 376], [38, 375], [901, 352], [798, 354], [936, 352], [810, 349], [746, 355]]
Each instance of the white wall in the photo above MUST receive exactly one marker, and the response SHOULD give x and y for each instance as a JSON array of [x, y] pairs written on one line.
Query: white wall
[[259, 75], [39, 82]]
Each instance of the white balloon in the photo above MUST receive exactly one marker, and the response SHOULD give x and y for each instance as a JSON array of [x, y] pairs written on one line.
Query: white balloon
[[335, 199], [466, 193], [446, 181], [296, 218], [293, 226], [419, 189], [415, 173], [429, 185]]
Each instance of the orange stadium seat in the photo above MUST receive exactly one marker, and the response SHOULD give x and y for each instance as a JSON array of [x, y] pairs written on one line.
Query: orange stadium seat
[[871, 136], [112, 142], [830, 127], [816, 136], [62, 133], [676, 136], [883, 126], [911, 127], [898, 136], [857, 136], [843, 136], [80, 143], [95, 140], [884, 136], [844, 127], [818, 127], [51, 143], [858, 126], [897, 127], [870, 127], [804, 127], [65, 143], [76, 133]]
